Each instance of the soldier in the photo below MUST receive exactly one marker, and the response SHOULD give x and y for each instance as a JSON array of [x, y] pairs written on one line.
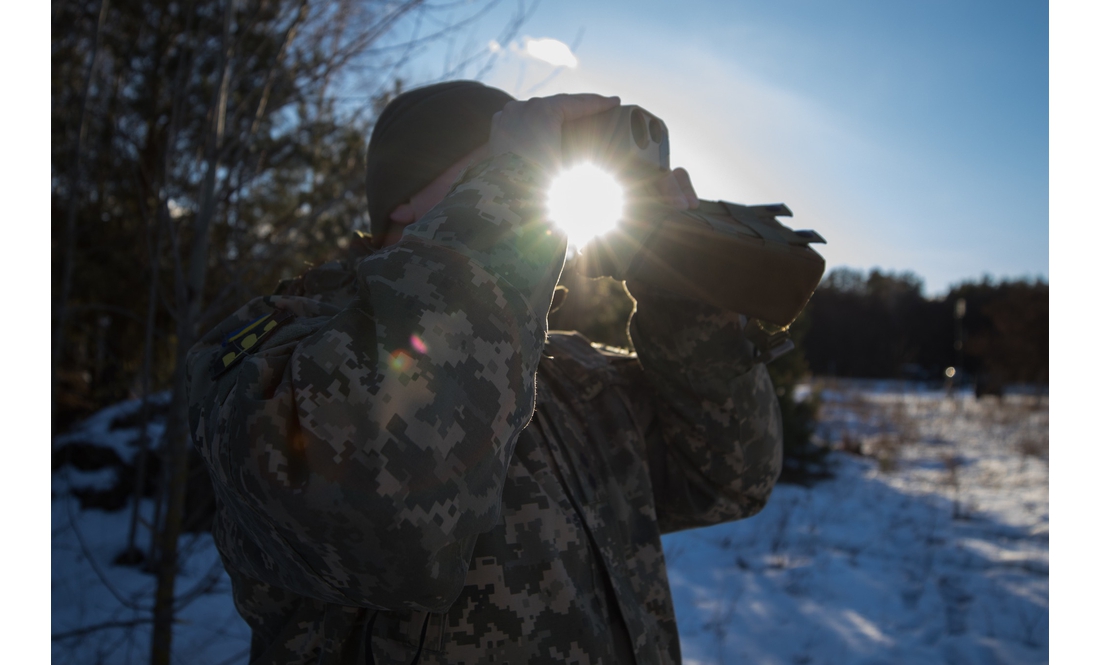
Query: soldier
[[391, 487]]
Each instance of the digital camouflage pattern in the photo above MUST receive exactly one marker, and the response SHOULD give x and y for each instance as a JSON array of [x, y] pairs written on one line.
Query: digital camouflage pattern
[[388, 491]]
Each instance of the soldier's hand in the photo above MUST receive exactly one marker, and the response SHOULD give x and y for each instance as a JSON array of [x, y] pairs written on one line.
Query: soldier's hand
[[532, 129], [674, 189]]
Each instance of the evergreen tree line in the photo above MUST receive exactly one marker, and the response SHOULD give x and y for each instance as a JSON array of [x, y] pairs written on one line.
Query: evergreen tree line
[[880, 325]]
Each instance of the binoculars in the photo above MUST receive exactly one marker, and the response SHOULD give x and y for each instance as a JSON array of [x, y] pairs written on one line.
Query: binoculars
[[734, 256]]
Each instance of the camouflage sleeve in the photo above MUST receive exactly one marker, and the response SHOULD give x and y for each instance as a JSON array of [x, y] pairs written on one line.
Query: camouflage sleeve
[[360, 450], [713, 431]]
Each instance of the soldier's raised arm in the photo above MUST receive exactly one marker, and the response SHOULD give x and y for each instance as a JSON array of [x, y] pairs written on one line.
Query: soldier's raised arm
[[712, 426], [704, 401]]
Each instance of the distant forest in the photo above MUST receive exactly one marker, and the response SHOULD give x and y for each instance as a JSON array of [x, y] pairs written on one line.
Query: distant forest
[[880, 325]]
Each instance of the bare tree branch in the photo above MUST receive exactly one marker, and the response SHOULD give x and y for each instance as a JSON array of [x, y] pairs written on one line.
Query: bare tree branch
[[106, 625]]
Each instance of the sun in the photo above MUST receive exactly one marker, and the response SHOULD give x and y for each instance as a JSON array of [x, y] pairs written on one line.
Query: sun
[[585, 201]]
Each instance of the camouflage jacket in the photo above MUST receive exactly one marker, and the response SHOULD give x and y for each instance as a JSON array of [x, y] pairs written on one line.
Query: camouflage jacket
[[391, 489]]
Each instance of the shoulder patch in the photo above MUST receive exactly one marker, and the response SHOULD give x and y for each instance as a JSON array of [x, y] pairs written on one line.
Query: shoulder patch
[[239, 343]]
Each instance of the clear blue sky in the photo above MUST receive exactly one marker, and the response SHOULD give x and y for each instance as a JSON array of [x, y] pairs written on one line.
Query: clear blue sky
[[912, 135]]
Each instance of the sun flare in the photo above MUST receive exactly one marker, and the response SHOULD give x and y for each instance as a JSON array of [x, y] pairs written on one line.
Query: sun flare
[[585, 201]]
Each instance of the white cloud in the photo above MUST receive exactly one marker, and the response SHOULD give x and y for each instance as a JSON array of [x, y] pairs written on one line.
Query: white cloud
[[549, 50]]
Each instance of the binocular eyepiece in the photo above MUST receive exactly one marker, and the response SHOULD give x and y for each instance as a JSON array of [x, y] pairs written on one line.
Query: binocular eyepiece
[[627, 140]]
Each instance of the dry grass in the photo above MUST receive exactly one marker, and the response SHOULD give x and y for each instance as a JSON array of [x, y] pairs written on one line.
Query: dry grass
[[951, 465], [850, 443], [1029, 416], [887, 451], [869, 427], [1034, 444]]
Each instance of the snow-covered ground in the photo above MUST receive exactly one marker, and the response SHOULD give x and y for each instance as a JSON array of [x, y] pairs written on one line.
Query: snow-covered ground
[[102, 612], [929, 545], [933, 548]]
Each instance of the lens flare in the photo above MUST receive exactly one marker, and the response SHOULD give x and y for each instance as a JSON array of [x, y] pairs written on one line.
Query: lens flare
[[401, 361], [585, 201]]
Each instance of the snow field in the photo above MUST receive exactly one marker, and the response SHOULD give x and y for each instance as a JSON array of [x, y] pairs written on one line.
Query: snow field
[[115, 602], [102, 612], [932, 547]]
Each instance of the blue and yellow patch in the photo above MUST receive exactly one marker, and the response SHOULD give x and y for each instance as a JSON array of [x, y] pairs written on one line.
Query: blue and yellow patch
[[239, 343]]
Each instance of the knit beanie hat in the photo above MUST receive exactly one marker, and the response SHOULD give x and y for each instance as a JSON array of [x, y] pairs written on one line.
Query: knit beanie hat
[[420, 134]]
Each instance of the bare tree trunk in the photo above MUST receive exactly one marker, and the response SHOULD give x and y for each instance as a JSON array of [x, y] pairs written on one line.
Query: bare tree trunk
[[177, 436], [62, 305], [176, 442], [154, 245], [131, 554]]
